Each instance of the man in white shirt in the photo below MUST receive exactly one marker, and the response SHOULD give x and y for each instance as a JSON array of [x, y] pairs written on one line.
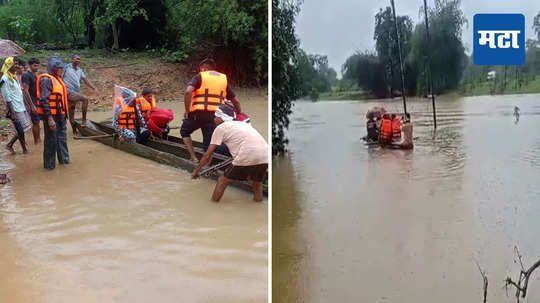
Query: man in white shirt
[[15, 103], [247, 147]]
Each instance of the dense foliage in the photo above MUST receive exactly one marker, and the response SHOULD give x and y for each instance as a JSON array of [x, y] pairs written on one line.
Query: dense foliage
[[317, 77], [286, 82], [233, 32]]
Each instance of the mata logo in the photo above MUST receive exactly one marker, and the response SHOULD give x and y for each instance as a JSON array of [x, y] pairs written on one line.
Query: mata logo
[[499, 39]]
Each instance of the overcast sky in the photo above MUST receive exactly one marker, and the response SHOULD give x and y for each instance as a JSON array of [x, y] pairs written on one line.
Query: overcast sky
[[340, 27]]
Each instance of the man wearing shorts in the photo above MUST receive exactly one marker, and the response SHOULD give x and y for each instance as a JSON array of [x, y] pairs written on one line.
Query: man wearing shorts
[[205, 92], [247, 147], [29, 79], [72, 78]]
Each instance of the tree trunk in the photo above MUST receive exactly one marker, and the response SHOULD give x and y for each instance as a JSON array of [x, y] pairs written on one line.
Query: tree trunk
[[115, 35]]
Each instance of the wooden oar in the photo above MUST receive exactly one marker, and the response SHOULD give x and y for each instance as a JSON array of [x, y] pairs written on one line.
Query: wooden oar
[[216, 167], [93, 137]]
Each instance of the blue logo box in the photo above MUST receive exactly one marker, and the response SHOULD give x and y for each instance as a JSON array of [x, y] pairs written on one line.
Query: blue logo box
[[499, 39]]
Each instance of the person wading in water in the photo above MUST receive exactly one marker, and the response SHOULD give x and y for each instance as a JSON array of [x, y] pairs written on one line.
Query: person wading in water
[[53, 108], [248, 148]]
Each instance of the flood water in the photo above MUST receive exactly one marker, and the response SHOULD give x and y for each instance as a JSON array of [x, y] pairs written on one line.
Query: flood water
[[353, 223], [113, 227]]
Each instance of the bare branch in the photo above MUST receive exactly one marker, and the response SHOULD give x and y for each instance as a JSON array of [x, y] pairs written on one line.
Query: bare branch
[[523, 282], [484, 278]]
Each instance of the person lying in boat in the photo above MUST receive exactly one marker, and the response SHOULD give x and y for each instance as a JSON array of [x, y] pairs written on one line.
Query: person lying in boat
[[128, 121], [406, 141], [248, 148]]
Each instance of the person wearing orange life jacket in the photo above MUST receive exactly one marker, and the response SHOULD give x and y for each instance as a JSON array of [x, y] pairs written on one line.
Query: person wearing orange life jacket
[[396, 128], [146, 101], [52, 106], [385, 134], [128, 121], [204, 94]]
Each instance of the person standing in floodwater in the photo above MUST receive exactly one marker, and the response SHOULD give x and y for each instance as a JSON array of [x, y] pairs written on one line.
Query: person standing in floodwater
[[29, 79], [248, 148], [16, 110], [407, 136], [53, 108], [204, 94]]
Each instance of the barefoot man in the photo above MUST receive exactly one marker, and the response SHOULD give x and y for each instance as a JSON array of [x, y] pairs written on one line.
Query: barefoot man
[[72, 77], [247, 147], [16, 110], [205, 92]]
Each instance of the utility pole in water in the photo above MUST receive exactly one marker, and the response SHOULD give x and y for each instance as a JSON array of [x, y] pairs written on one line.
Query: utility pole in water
[[400, 60], [430, 76]]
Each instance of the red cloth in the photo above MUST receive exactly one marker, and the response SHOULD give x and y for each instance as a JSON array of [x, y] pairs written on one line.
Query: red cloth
[[158, 119], [241, 117]]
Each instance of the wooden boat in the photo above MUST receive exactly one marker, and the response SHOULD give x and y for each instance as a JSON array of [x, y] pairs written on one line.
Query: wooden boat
[[172, 151]]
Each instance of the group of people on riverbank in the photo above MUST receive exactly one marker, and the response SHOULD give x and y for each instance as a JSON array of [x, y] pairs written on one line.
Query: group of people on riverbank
[[210, 105], [51, 97]]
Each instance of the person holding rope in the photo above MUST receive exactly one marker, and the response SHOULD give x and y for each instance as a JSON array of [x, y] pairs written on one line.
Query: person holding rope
[[248, 148]]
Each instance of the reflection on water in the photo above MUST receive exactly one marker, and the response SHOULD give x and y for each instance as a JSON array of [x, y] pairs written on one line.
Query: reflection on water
[[363, 224], [113, 227]]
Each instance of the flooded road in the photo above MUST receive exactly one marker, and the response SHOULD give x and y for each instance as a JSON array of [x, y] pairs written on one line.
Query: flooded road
[[353, 223], [113, 227]]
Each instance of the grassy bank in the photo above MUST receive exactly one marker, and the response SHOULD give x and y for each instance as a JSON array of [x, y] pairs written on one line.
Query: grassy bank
[[491, 88], [477, 89], [346, 95]]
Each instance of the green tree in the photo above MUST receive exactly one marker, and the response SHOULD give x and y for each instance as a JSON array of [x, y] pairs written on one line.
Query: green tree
[[317, 76], [70, 14], [387, 44], [286, 80], [366, 70], [536, 25], [448, 58], [117, 11], [233, 32]]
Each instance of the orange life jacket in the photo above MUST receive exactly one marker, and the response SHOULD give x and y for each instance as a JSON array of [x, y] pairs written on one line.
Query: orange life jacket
[[146, 106], [386, 129], [212, 92], [396, 128], [58, 102], [128, 116]]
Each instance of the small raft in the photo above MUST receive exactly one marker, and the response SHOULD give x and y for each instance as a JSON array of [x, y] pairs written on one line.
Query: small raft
[[172, 151]]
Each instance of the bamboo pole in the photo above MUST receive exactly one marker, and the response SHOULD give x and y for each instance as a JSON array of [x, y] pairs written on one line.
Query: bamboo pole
[[400, 59], [430, 76]]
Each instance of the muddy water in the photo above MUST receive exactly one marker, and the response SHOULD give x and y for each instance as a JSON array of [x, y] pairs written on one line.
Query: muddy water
[[112, 227], [353, 223]]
